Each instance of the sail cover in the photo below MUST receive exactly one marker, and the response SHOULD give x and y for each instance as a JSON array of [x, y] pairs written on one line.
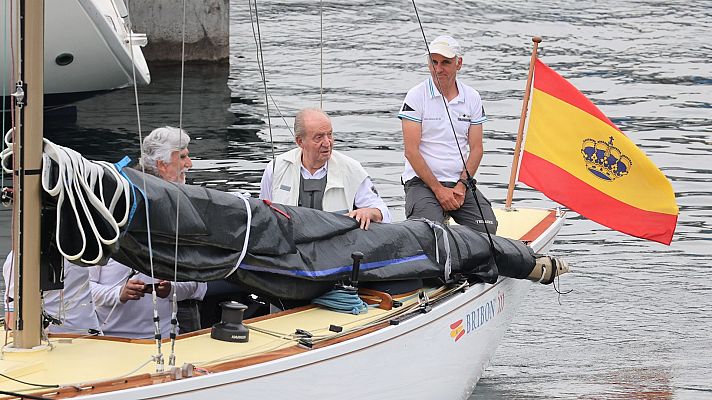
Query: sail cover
[[291, 252]]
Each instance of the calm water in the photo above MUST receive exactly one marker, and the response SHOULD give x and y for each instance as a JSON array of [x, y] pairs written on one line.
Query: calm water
[[638, 322]]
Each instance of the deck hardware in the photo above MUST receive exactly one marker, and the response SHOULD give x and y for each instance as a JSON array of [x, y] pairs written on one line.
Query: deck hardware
[[19, 95], [230, 328], [302, 332]]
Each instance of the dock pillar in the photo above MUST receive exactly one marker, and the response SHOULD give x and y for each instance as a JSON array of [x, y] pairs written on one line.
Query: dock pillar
[[207, 33]]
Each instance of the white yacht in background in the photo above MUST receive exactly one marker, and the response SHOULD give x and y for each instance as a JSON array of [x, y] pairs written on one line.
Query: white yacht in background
[[87, 50]]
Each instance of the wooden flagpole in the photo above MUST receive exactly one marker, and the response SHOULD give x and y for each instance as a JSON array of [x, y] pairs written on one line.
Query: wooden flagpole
[[520, 132]]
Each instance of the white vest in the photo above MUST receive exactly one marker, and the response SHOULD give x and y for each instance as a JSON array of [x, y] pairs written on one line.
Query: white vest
[[343, 178]]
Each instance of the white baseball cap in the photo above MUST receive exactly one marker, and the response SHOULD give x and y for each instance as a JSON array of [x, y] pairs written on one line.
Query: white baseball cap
[[445, 46]]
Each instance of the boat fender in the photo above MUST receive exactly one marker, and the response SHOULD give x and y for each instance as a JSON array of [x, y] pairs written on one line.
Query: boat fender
[[176, 373], [187, 370]]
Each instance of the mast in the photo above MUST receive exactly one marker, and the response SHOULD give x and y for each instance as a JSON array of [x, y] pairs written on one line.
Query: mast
[[27, 166], [520, 132]]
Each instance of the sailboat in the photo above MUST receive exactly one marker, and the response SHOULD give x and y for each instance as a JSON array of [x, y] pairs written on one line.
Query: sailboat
[[87, 50], [450, 327]]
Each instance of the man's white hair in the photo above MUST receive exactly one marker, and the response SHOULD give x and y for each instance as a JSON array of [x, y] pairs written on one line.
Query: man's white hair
[[159, 145], [299, 120]]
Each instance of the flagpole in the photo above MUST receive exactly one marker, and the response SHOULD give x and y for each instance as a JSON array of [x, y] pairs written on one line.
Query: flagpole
[[522, 120]]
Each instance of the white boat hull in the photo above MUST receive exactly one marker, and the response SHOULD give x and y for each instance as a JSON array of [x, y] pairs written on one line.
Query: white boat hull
[[441, 354], [416, 359]]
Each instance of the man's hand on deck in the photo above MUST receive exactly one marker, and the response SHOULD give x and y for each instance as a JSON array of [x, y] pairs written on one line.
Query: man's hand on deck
[[365, 216]]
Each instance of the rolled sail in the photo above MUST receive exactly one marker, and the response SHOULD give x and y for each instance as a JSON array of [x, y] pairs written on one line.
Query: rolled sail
[[290, 253]]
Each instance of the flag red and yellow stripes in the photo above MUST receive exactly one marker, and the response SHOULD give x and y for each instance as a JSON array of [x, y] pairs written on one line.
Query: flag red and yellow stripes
[[577, 157]]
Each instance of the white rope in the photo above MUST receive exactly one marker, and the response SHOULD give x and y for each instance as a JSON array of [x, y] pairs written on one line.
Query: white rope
[[76, 178], [446, 241], [174, 298], [76, 182], [248, 213], [157, 329], [6, 153]]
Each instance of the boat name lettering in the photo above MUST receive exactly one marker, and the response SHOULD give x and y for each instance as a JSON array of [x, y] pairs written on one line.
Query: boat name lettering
[[480, 316]]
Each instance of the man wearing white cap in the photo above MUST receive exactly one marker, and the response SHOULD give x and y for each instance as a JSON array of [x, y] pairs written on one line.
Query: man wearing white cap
[[434, 175]]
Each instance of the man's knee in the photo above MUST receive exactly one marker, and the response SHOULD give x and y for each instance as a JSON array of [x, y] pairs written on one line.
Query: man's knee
[[432, 212], [477, 214], [420, 202]]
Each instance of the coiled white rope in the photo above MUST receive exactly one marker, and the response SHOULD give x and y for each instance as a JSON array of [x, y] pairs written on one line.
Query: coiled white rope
[[79, 182]]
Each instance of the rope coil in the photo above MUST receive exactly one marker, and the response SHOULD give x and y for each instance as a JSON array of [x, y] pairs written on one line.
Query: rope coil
[[342, 300]]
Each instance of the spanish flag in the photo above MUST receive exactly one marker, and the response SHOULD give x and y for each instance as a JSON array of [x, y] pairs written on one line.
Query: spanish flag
[[577, 157]]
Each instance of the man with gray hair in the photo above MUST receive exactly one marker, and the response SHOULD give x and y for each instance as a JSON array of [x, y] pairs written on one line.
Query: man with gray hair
[[119, 292], [315, 176], [166, 155], [442, 122]]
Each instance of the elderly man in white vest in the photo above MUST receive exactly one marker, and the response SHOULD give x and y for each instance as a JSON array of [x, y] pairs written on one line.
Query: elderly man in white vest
[[315, 176]]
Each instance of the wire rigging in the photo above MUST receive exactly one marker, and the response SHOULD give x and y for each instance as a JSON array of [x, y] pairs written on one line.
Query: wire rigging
[[261, 61], [156, 329], [174, 298], [260, 69], [4, 84], [321, 54]]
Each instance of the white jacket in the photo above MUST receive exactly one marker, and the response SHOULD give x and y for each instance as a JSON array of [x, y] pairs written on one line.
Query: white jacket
[[72, 305], [343, 178]]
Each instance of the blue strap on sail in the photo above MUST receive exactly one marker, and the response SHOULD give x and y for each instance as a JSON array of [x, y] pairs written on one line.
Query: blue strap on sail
[[120, 167], [340, 300]]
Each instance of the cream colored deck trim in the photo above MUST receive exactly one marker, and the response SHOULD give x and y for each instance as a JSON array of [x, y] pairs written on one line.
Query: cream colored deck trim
[[515, 224]]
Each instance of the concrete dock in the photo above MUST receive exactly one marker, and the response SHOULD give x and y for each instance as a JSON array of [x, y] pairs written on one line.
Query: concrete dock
[[207, 32]]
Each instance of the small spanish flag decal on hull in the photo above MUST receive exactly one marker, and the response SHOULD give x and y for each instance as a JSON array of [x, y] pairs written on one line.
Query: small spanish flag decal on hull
[[457, 330]]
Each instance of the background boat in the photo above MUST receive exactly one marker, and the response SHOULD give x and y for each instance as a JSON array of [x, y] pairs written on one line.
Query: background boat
[[87, 50]]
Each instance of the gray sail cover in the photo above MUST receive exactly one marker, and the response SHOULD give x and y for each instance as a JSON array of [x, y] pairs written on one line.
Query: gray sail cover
[[293, 252]]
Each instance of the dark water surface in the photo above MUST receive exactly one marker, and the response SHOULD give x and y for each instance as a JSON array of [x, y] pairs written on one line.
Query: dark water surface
[[638, 323]]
